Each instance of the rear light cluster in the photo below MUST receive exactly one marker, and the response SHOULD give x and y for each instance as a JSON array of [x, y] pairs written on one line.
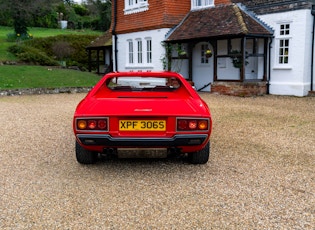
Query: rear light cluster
[[92, 124], [188, 124]]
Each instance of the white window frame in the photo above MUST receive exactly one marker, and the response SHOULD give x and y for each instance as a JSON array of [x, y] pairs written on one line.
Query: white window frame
[[139, 51], [283, 46], [283, 55], [196, 4], [148, 50], [135, 6], [130, 51]]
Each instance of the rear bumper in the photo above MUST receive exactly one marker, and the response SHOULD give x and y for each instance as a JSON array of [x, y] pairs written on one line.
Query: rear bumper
[[109, 141]]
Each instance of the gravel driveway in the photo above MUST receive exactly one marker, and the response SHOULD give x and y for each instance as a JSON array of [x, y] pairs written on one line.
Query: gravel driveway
[[261, 172]]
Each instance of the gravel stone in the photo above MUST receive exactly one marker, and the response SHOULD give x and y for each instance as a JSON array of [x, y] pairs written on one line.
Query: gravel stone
[[260, 175]]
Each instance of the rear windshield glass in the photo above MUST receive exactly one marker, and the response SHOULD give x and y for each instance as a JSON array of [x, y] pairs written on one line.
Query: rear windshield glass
[[144, 83]]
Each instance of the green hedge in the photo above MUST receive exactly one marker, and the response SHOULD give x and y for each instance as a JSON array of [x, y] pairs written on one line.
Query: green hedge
[[45, 51], [32, 55]]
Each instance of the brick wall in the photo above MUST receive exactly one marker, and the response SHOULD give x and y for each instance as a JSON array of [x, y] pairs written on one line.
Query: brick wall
[[161, 14], [219, 2], [243, 89]]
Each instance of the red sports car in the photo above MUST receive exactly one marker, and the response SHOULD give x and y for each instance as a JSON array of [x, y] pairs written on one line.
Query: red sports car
[[144, 112]]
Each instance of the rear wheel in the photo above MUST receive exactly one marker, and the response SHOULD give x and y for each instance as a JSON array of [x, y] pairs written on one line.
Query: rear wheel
[[201, 156], [84, 156]]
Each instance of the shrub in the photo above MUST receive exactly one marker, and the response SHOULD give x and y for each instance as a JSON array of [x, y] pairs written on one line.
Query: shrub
[[62, 50], [32, 55], [48, 50]]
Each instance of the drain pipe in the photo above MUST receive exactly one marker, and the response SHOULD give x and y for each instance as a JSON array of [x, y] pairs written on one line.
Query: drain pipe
[[115, 67], [269, 67], [312, 62]]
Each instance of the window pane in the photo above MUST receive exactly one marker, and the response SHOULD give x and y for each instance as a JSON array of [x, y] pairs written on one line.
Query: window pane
[[144, 84], [199, 3], [284, 51], [139, 51], [280, 60], [130, 52], [149, 51], [285, 29]]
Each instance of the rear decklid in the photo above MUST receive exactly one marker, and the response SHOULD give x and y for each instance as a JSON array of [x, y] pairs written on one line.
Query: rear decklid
[[142, 106]]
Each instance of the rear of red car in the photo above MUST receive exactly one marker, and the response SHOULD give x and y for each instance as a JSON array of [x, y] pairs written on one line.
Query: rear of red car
[[142, 111]]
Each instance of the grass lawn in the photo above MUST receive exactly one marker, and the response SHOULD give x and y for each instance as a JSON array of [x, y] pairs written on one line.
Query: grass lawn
[[4, 54], [18, 77]]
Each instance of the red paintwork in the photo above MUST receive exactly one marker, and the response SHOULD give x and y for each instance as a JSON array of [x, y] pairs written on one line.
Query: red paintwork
[[104, 102]]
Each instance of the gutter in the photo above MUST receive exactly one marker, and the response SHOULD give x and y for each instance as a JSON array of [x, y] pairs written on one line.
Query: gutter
[[115, 36]]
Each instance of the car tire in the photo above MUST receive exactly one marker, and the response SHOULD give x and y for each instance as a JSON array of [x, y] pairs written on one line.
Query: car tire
[[201, 156], [84, 156]]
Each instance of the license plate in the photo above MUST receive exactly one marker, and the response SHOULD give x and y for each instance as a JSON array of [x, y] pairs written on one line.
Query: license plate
[[142, 125]]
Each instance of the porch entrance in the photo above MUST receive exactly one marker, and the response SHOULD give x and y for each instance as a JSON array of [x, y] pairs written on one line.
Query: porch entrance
[[202, 66]]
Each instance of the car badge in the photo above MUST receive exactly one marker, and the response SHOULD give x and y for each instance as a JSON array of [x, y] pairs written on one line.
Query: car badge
[[143, 110]]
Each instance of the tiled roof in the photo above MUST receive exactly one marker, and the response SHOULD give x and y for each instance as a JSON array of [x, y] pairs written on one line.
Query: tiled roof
[[104, 40], [221, 21], [274, 6]]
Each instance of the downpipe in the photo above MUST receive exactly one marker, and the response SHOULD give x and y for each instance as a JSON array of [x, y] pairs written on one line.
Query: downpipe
[[312, 58], [115, 37], [269, 66]]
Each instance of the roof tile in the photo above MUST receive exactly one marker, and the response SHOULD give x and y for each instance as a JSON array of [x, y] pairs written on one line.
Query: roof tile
[[223, 20]]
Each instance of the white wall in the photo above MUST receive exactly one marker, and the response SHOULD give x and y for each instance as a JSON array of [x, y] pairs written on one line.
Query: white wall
[[158, 51], [293, 79]]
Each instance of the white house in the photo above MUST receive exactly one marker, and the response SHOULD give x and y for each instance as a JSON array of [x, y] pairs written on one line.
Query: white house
[[291, 61], [256, 47]]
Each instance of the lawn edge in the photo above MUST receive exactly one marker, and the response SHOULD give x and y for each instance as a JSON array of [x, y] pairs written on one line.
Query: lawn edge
[[38, 91]]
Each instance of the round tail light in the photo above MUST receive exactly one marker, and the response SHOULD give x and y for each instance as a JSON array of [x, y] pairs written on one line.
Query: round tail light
[[101, 124], [81, 124], [182, 124], [193, 124], [203, 125], [92, 124]]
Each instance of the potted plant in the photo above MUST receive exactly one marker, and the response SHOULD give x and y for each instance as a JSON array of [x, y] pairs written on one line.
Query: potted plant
[[237, 59], [208, 53], [181, 52]]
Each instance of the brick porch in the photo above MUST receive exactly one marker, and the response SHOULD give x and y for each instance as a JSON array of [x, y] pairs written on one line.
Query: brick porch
[[242, 89]]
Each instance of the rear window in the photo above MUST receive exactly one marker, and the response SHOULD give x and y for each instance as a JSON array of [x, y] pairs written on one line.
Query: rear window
[[144, 83]]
